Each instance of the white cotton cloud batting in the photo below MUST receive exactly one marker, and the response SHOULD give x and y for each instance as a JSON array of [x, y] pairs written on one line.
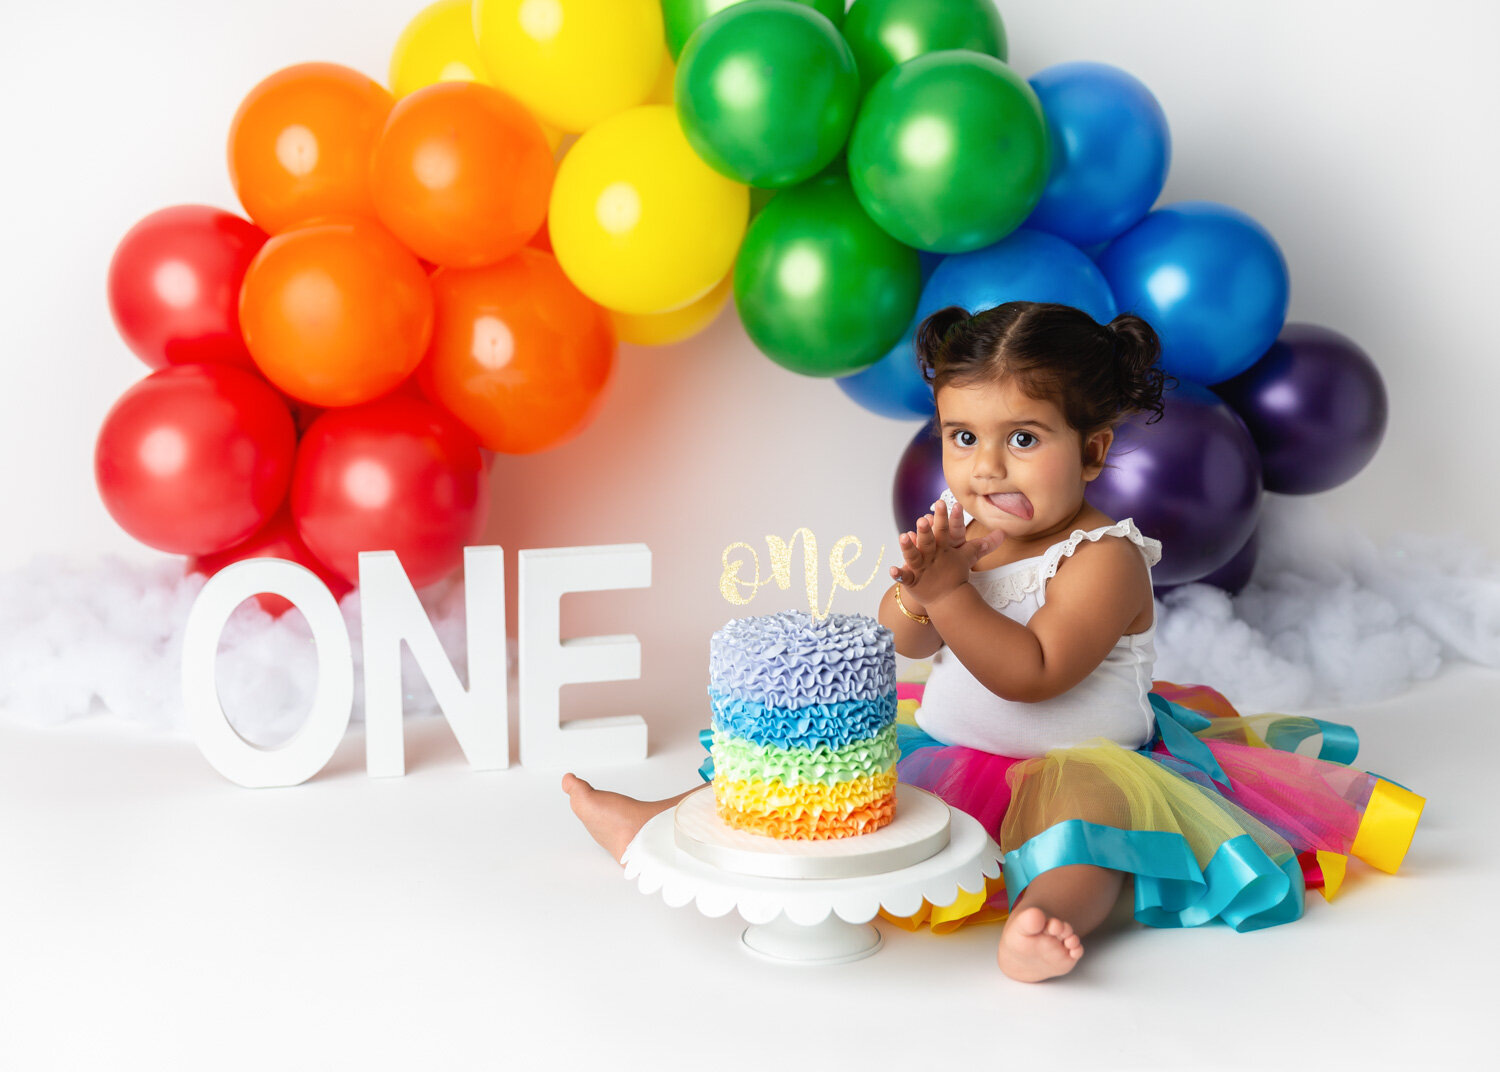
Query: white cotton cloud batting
[[107, 638], [1330, 617]]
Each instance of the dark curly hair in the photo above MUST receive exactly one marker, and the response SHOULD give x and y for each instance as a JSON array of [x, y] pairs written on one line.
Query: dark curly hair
[[1097, 374]]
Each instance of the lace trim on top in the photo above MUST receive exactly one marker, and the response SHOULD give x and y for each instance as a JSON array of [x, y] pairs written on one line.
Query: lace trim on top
[[1053, 556], [1007, 584], [1003, 586]]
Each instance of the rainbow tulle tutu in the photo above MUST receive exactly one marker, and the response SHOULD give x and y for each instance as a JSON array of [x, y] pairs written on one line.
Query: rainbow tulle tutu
[[1221, 818]]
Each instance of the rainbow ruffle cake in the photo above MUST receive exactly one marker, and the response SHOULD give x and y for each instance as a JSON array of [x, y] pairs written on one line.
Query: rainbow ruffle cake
[[804, 734]]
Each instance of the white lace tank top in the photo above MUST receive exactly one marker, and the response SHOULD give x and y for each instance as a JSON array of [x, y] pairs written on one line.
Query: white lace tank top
[[1111, 702]]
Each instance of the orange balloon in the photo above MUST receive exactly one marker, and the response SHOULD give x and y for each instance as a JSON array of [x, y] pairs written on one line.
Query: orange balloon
[[462, 174], [518, 353], [542, 240], [336, 313], [300, 144]]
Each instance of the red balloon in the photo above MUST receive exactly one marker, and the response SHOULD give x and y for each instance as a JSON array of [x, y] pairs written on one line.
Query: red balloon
[[277, 538], [174, 285], [195, 458], [397, 474]]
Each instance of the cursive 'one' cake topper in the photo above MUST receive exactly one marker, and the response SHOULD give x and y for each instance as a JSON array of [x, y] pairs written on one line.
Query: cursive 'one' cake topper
[[740, 591]]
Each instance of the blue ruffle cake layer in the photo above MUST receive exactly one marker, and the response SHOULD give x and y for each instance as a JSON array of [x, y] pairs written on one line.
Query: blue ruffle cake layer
[[831, 725]]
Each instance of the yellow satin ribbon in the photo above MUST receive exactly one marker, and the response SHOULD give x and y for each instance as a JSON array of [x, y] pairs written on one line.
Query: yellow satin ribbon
[[1386, 830], [1333, 865]]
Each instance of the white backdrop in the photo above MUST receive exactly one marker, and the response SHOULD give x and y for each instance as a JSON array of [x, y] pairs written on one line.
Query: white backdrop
[[1362, 138], [155, 916]]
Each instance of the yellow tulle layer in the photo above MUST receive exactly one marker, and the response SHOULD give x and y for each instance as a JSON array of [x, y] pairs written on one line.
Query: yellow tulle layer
[[795, 824], [1112, 786]]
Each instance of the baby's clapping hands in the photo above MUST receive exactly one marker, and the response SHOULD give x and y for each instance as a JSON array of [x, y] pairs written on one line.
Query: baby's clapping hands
[[938, 555]]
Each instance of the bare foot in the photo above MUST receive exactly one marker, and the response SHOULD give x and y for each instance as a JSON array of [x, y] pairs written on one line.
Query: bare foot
[[1033, 947], [612, 819]]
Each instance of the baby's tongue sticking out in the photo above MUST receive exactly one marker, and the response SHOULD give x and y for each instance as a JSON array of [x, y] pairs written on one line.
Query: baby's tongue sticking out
[[1013, 503]]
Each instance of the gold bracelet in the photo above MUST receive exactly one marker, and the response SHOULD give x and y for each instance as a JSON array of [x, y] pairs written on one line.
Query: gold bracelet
[[920, 619]]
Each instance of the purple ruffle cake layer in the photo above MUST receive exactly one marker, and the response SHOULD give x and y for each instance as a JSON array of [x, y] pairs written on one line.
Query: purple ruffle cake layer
[[791, 659]]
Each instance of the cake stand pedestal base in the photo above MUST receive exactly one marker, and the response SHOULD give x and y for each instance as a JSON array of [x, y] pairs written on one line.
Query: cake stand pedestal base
[[813, 920], [831, 942]]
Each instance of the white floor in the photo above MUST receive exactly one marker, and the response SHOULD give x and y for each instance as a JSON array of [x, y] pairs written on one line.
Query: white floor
[[155, 916]]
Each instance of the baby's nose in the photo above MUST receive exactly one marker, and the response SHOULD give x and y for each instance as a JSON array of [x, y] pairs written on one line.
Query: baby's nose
[[989, 461]]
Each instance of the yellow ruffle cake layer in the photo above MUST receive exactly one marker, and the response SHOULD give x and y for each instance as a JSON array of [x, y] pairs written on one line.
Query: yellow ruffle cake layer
[[754, 796]]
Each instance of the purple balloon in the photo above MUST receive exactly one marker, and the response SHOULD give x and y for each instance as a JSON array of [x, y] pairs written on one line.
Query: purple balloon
[[1234, 574], [919, 478], [1191, 480], [1315, 406]]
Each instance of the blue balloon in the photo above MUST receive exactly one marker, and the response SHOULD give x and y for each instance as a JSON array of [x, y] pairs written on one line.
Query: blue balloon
[[1026, 265], [929, 262], [1111, 150], [893, 386], [1209, 279]]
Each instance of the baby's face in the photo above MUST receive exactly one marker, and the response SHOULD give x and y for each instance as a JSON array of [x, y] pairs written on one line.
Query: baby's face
[[1012, 461]]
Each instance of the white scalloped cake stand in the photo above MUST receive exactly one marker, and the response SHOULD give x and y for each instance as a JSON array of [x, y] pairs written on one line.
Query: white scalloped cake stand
[[816, 920]]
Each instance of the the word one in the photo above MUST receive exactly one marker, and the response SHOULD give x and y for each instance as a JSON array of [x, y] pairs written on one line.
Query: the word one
[[391, 614]]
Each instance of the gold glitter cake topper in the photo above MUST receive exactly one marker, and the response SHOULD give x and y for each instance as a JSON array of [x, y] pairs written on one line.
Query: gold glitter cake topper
[[740, 592]]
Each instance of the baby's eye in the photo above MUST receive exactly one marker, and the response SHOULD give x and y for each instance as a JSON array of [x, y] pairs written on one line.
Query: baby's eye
[[1023, 440], [965, 438]]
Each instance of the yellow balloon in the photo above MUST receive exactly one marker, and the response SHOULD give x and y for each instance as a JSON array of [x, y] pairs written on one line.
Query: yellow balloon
[[572, 62], [552, 134], [665, 90], [438, 46], [663, 329], [638, 221]]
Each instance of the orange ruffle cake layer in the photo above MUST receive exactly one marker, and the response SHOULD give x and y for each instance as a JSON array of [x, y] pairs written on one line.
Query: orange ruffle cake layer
[[799, 824]]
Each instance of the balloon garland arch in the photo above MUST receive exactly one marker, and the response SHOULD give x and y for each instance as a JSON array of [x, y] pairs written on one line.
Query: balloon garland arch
[[421, 280]]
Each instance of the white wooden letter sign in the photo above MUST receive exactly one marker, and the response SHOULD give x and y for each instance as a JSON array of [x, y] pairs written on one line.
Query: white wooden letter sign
[[392, 615]]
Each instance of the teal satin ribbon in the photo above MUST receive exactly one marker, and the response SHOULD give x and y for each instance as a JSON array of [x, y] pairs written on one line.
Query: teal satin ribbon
[[1175, 725], [706, 739], [1241, 886], [1340, 742], [910, 739]]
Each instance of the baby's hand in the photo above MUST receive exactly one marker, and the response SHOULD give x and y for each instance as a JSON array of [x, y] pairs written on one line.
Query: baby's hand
[[912, 562], [917, 549], [937, 557]]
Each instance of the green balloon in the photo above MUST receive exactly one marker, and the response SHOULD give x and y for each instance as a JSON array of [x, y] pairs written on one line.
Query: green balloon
[[766, 92], [760, 197], [884, 33], [949, 152], [820, 289], [682, 17]]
